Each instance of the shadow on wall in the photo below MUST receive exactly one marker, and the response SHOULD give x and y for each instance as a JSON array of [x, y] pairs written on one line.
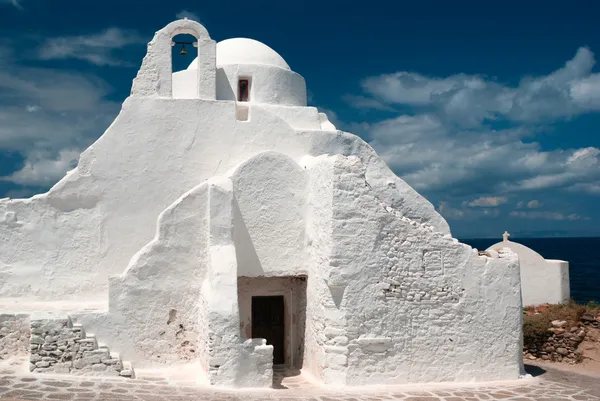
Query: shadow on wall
[[224, 87], [534, 371], [244, 248]]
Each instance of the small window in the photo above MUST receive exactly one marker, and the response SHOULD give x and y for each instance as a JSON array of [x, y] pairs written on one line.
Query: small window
[[244, 90]]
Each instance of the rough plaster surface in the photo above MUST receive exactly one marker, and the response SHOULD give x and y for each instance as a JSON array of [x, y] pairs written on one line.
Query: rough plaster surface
[[256, 364], [319, 247], [180, 198], [154, 78], [223, 318], [269, 230], [167, 274], [14, 335], [401, 295], [542, 280]]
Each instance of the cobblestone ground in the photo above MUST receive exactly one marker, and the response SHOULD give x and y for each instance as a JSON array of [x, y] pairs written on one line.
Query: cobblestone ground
[[549, 386]]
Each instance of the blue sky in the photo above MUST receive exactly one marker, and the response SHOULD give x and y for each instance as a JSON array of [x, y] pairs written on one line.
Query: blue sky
[[490, 111]]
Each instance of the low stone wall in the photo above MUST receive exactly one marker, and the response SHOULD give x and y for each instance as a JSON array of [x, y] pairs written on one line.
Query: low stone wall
[[14, 335], [588, 319], [256, 364], [562, 344], [57, 346]]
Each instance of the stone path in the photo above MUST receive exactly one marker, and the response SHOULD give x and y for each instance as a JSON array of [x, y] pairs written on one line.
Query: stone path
[[549, 386]]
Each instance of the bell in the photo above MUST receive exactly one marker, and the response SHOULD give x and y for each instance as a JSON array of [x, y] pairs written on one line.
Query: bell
[[183, 51]]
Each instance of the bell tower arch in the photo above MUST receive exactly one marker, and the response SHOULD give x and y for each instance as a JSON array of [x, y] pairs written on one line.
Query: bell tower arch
[[154, 79]]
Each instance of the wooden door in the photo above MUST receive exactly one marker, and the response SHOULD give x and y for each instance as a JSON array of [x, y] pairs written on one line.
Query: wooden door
[[267, 323]]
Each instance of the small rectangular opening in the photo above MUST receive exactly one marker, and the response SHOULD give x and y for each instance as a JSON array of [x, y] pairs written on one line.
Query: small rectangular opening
[[243, 90]]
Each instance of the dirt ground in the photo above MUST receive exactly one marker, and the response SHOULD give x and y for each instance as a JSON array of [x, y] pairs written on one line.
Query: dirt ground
[[590, 366], [590, 348]]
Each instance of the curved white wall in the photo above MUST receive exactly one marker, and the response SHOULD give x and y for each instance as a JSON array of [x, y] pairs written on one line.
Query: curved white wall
[[270, 192], [271, 85], [542, 281]]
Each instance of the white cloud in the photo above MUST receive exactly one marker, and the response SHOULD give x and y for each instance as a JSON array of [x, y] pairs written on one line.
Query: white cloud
[[589, 187], [470, 141], [539, 215], [187, 14], [586, 92], [434, 156], [464, 213], [95, 48], [42, 171], [49, 116], [450, 212], [469, 99], [362, 102], [408, 88], [491, 212], [487, 201]]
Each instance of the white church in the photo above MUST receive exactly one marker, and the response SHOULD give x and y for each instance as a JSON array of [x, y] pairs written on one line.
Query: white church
[[221, 223], [543, 281]]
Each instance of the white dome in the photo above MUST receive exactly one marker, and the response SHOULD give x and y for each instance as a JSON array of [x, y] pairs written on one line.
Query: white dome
[[245, 51]]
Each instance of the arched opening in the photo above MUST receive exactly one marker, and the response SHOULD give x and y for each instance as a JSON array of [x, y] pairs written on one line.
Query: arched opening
[[155, 77], [184, 50]]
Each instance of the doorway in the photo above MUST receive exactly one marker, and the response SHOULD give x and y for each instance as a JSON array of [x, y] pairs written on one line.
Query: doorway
[[268, 322], [293, 324]]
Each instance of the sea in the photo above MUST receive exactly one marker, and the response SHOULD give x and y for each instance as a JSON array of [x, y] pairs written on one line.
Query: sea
[[583, 255]]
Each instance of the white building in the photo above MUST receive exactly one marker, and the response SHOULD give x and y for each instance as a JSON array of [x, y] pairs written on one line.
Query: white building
[[542, 280], [218, 208]]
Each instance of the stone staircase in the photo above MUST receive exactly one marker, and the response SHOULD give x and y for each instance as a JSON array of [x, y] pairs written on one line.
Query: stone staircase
[[60, 346]]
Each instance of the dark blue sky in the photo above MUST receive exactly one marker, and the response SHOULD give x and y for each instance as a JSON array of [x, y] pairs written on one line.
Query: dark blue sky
[[491, 111]]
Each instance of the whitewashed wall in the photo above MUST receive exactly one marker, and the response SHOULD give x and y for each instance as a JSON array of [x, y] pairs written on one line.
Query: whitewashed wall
[[152, 205], [401, 295], [542, 280], [104, 211], [154, 304], [270, 193]]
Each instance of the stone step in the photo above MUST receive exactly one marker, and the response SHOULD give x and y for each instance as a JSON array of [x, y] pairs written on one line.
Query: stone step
[[78, 328], [53, 337], [89, 343], [102, 353], [103, 347]]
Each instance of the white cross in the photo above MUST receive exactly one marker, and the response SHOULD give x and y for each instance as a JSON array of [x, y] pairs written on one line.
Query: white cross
[[505, 236]]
